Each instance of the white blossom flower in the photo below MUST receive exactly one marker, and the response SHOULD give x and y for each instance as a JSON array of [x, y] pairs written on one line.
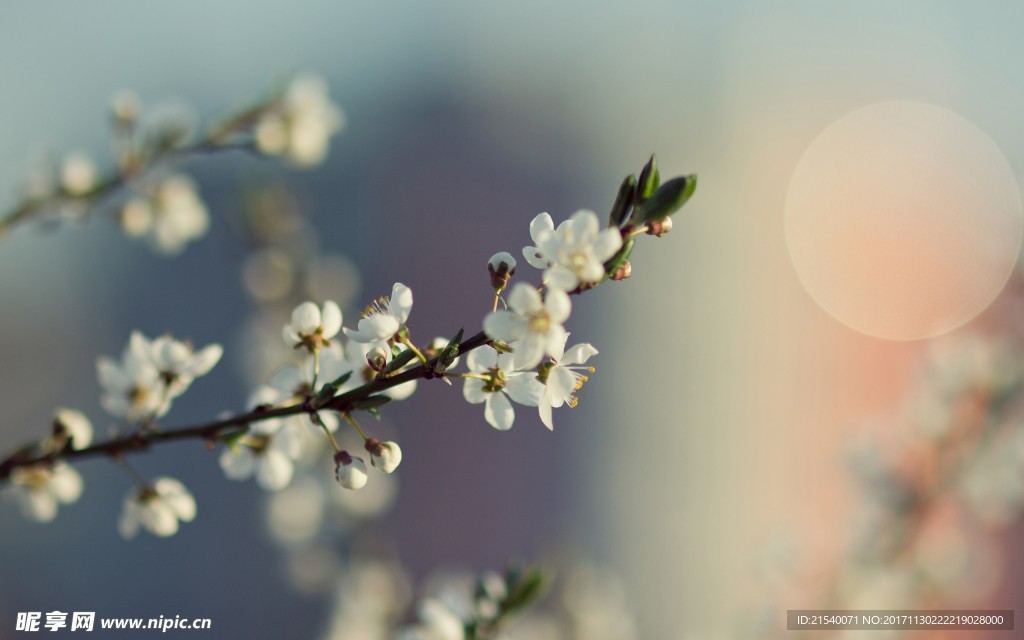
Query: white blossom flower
[[157, 508], [133, 388], [533, 324], [384, 318], [573, 254], [437, 622], [564, 379], [312, 327], [269, 456], [179, 364], [504, 383], [385, 456], [42, 487], [303, 125], [77, 174], [290, 385], [169, 218], [69, 423], [350, 471]]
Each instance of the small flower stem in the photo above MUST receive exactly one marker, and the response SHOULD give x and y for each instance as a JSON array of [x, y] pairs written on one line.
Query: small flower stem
[[132, 473], [334, 443], [352, 421], [475, 376], [497, 297], [419, 354], [316, 369], [638, 231]]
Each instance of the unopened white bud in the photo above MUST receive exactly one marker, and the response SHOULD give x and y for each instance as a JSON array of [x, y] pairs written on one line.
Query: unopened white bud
[[377, 359], [349, 471], [501, 266], [126, 106], [385, 456]]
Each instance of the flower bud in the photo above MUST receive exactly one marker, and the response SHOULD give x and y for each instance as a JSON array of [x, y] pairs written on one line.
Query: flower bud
[[385, 456], [501, 266], [377, 359], [349, 471], [659, 227], [126, 107], [623, 272], [68, 423]]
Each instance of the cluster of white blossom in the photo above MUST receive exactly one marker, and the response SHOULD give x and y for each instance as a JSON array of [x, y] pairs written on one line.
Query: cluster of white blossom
[[531, 365]]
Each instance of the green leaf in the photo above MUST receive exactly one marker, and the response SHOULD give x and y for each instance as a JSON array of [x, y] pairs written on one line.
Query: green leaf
[[623, 202], [373, 402], [524, 590], [449, 353], [399, 361], [649, 180], [668, 199]]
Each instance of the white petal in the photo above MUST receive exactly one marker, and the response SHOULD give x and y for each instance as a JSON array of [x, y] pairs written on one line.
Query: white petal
[[558, 305], [593, 271], [482, 359], [128, 524], [331, 319], [561, 384], [502, 325], [578, 354], [544, 408], [237, 464], [76, 425], [110, 375], [555, 339], [524, 388], [275, 471], [158, 518], [498, 411], [203, 361], [557, 352], [540, 227], [607, 244], [473, 391], [529, 352], [401, 302], [524, 299], [558, 277], [138, 348], [66, 483], [291, 338], [38, 505], [177, 497], [402, 391], [534, 258], [306, 318], [585, 224]]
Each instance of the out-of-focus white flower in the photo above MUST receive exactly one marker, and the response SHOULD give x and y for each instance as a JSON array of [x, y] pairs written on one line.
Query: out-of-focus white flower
[[311, 327], [564, 379], [503, 383], [172, 216], [179, 364], [73, 424], [541, 227], [133, 388], [385, 456], [290, 385], [41, 488], [157, 508], [270, 456], [437, 622], [369, 598], [533, 325], [350, 471], [77, 174], [302, 127], [151, 374], [383, 319]]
